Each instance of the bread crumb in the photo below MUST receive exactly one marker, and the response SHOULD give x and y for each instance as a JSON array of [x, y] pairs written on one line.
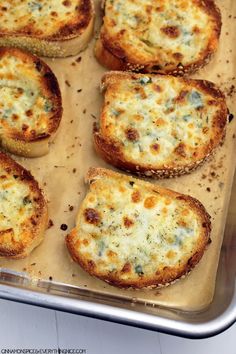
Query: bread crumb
[[50, 223]]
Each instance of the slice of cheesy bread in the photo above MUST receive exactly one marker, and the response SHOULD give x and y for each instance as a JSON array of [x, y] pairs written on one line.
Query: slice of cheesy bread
[[163, 36], [160, 126], [131, 233], [23, 210], [30, 103], [53, 28]]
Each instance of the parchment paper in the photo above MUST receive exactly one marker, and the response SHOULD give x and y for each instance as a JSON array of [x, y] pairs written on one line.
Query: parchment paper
[[61, 175]]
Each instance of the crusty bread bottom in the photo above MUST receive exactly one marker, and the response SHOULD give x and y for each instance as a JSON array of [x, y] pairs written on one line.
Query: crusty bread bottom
[[56, 48], [110, 61]]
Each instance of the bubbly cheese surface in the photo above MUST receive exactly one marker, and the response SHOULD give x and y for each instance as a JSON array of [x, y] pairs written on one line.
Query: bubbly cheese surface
[[17, 205], [159, 120], [25, 110], [125, 227], [167, 32], [41, 18]]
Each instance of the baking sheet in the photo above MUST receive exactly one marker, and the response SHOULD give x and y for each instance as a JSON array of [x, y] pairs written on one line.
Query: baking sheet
[[61, 175]]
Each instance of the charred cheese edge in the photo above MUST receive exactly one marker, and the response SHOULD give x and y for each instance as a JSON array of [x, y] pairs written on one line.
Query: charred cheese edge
[[23, 210], [158, 36], [131, 233], [47, 27], [158, 125], [30, 103]]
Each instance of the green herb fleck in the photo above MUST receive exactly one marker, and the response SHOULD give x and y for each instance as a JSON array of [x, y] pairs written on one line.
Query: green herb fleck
[[101, 247], [195, 99], [139, 270], [115, 112], [48, 106], [33, 5], [145, 80]]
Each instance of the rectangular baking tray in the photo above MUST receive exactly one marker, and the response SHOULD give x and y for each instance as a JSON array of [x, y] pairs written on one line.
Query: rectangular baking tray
[[49, 278], [220, 315]]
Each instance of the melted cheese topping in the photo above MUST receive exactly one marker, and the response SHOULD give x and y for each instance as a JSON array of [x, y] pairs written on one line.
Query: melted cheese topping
[[40, 17], [159, 120], [123, 225], [16, 204], [166, 32], [24, 109]]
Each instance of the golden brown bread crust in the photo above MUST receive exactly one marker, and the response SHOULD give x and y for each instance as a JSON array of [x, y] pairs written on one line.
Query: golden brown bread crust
[[69, 39], [112, 150], [33, 228], [28, 142], [165, 276], [114, 55]]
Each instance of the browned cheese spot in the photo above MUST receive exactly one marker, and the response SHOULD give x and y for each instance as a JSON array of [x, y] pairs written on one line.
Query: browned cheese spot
[[156, 88], [24, 127], [205, 130], [180, 150], [92, 216], [212, 103], [155, 148], [141, 92], [181, 222], [136, 196], [148, 9], [123, 31], [29, 113], [150, 202], [85, 242], [128, 222], [15, 116], [126, 268], [180, 98], [111, 254], [160, 122], [132, 134], [178, 56], [171, 31], [67, 3], [196, 29], [160, 8], [170, 254]]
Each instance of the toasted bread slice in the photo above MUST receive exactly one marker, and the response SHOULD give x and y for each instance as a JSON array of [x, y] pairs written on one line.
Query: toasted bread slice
[[30, 103], [170, 37], [160, 126], [56, 28], [23, 210], [131, 233]]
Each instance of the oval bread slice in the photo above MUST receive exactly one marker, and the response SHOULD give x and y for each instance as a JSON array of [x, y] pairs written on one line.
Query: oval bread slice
[[160, 126], [30, 103], [131, 233], [55, 28], [23, 210], [177, 36]]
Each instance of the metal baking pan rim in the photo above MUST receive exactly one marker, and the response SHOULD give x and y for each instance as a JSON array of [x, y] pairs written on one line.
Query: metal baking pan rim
[[123, 316]]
